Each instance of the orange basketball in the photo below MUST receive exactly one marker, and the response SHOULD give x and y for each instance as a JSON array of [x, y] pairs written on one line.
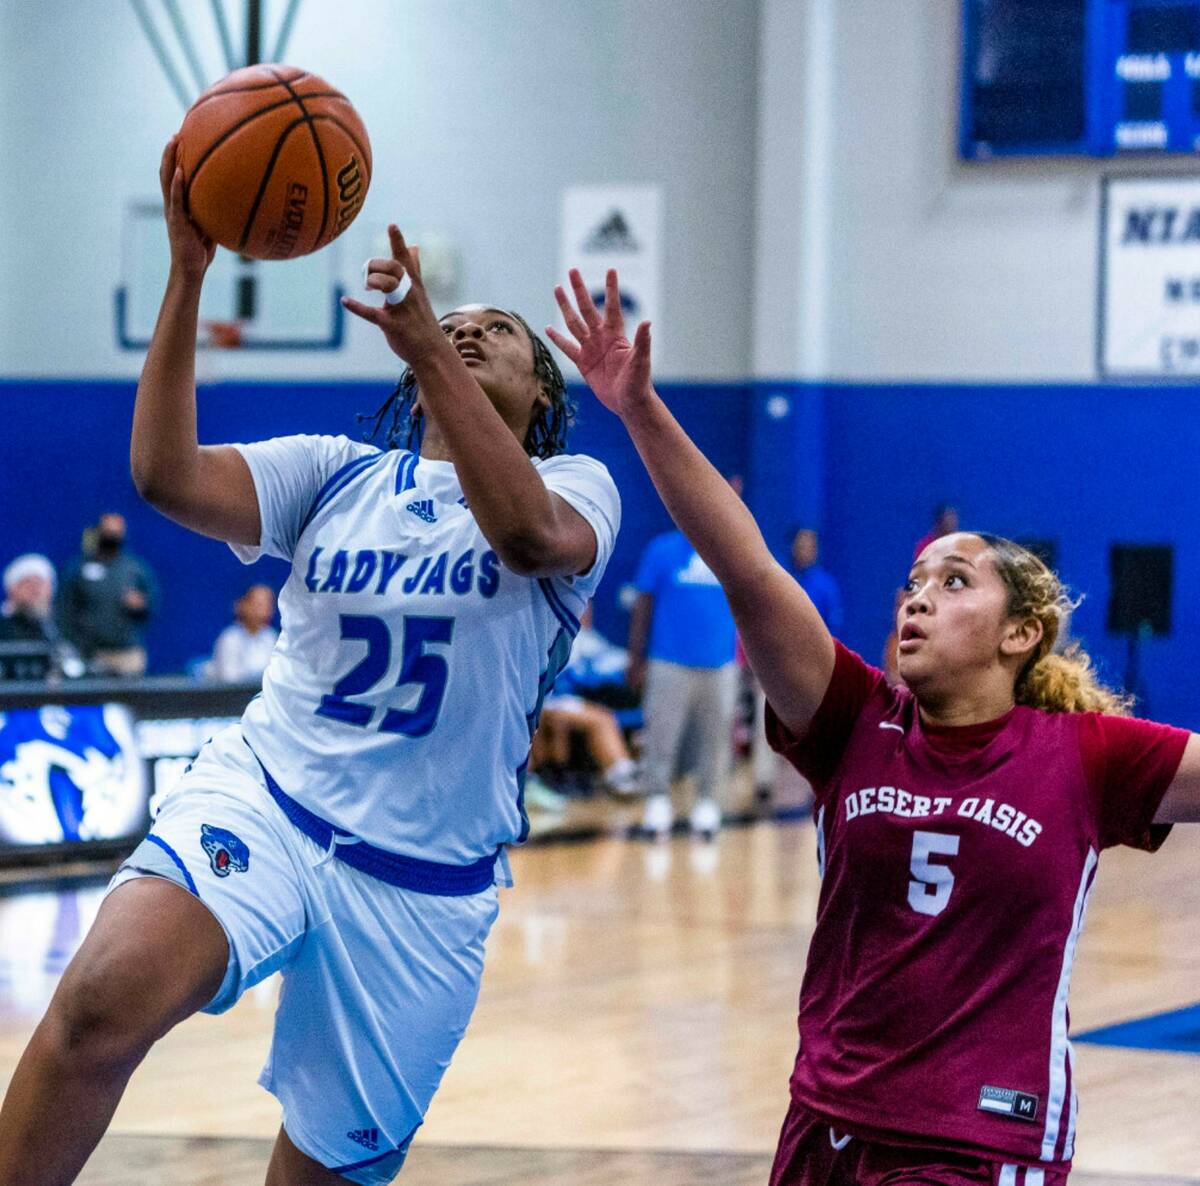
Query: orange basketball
[[276, 162]]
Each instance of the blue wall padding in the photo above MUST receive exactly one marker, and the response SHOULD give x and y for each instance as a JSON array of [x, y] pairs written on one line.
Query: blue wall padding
[[786, 483], [67, 459], [1083, 466]]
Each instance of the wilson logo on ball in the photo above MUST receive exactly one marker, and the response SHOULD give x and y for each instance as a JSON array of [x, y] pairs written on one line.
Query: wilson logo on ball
[[351, 191]]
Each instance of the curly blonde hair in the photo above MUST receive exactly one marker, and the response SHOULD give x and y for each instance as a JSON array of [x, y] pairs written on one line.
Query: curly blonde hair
[[1052, 680]]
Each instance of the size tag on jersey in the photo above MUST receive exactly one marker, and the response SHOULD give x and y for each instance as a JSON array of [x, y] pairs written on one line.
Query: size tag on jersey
[[1003, 1101]]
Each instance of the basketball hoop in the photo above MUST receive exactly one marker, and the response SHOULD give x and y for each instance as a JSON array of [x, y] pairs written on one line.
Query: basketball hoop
[[220, 335]]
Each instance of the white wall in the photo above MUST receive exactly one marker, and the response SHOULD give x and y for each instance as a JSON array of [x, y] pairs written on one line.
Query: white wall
[[929, 268], [480, 114]]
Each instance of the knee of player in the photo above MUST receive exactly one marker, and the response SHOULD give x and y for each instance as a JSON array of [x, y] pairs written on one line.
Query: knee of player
[[99, 1016]]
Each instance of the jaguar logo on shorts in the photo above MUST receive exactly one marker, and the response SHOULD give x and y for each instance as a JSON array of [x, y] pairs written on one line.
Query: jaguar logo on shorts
[[226, 853]]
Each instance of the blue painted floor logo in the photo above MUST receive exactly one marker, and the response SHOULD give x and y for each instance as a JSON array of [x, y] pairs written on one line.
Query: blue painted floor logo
[[226, 853], [1177, 1031]]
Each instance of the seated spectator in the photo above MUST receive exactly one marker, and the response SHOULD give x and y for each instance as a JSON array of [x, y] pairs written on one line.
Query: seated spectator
[[28, 598], [244, 647], [564, 716], [26, 613]]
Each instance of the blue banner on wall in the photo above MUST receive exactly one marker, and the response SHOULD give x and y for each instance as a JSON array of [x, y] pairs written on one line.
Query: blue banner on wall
[[69, 774]]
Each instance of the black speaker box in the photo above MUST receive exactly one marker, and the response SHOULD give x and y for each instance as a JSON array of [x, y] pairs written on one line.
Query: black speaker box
[[1140, 588]]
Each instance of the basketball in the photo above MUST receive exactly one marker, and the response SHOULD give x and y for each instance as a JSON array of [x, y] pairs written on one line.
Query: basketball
[[276, 162]]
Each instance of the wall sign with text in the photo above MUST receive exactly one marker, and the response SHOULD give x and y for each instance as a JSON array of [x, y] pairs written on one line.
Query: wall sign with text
[[1148, 324]]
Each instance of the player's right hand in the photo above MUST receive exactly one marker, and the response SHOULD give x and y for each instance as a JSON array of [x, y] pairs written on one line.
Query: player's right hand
[[191, 249], [409, 325]]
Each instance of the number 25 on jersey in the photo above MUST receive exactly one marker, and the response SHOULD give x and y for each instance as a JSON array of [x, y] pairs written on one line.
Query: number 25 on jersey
[[417, 666]]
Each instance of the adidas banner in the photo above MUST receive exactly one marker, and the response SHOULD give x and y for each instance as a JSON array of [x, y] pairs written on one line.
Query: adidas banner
[[617, 226]]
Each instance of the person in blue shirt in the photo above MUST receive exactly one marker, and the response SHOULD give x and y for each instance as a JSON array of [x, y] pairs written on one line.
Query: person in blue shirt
[[681, 651], [816, 581]]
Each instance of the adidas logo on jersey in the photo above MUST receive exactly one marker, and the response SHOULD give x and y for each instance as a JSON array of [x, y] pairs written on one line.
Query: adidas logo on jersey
[[368, 1138], [423, 509]]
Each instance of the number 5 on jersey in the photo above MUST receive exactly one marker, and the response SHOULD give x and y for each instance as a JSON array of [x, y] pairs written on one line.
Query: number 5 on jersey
[[417, 666], [929, 890]]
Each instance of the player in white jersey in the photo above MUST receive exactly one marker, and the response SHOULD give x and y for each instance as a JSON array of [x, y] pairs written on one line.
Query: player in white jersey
[[350, 831]]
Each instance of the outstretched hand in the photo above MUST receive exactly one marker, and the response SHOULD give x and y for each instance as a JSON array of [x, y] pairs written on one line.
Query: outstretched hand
[[410, 326], [617, 370], [191, 249]]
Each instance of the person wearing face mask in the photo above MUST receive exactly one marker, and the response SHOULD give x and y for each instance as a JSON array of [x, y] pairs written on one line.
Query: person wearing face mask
[[107, 597]]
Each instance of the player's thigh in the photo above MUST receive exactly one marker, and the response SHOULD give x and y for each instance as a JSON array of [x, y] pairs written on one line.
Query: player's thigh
[[238, 859], [153, 956], [371, 1012]]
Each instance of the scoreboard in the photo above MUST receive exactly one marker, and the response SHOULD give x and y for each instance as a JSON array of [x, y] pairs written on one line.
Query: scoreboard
[[1080, 77]]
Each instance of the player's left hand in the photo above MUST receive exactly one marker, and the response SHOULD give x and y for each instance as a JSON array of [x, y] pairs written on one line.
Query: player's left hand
[[410, 326], [615, 368]]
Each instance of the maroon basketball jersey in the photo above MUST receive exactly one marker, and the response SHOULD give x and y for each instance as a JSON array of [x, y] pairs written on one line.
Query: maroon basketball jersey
[[956, 865]]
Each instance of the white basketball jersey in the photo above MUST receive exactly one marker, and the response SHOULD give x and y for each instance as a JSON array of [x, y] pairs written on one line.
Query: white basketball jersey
[[411, 665]]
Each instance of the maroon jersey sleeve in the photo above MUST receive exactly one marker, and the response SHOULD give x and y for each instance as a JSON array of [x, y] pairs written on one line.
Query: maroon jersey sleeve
[[817, 754], [1129, 764]]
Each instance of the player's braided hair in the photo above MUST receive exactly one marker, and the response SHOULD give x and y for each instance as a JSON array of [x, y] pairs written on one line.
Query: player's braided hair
[[547, 435], [1052, 680]]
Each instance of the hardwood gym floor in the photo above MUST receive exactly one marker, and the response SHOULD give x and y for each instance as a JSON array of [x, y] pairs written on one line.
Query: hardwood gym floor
[[637, 1025]]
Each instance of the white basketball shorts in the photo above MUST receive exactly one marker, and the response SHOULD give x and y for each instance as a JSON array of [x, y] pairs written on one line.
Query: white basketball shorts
[[379, 982]]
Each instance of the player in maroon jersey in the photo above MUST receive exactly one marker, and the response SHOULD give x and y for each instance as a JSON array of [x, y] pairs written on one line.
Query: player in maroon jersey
[[959, 819]]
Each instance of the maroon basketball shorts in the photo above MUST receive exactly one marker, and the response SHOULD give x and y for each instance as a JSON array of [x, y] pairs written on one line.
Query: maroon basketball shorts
[[811, 1153]]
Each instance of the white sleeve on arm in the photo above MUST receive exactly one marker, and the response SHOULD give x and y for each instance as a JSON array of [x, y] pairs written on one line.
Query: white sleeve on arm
[[588, 487], [289, 474]]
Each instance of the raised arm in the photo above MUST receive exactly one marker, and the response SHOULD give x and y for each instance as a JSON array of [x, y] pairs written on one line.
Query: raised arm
[[206, 488], [788, 645], [534, 531]]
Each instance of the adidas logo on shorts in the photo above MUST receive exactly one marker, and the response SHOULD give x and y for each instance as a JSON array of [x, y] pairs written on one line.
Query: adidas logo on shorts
[[368, 1138], [423, 509]]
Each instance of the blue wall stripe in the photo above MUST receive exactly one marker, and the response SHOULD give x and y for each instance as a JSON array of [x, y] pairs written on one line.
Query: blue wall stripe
[[1084, 465], [81, 467]]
